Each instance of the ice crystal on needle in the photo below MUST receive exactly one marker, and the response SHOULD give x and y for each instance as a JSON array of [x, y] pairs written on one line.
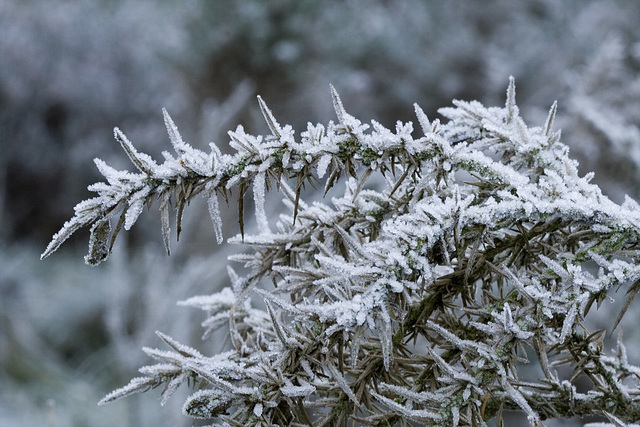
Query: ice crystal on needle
[[415, 297]]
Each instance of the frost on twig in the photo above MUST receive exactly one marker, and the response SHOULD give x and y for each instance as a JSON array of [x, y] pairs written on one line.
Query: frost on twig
[[414, 297]]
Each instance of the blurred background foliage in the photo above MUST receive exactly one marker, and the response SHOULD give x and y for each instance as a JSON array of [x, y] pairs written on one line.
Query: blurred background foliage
[[71, 70]]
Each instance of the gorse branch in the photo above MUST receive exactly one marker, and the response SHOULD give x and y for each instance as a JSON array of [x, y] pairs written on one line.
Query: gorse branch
[[179, 179], [451, 260]]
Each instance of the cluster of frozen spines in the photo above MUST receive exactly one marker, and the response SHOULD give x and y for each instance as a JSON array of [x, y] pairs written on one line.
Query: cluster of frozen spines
[[371, 272], [414, 299]]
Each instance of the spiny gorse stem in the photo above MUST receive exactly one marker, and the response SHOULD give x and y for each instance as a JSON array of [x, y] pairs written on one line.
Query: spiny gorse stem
[[452, 259]]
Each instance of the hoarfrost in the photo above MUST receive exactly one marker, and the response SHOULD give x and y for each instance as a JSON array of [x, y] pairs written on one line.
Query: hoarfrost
[[298, 391], [415, 294]]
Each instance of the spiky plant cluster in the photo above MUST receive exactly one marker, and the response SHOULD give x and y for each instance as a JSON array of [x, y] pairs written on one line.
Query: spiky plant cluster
[[454, 258]]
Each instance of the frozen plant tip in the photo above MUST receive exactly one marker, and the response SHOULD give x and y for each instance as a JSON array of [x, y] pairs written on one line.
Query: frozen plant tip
[[452, 259]]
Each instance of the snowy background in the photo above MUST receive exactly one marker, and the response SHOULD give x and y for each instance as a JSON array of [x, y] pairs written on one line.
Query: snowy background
[[72, 70]]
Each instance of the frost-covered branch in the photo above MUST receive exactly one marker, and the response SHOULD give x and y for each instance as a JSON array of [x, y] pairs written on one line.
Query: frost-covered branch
[[453, 258]]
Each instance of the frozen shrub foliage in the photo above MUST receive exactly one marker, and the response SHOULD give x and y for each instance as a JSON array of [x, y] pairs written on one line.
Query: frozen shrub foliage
[[457, 253]]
